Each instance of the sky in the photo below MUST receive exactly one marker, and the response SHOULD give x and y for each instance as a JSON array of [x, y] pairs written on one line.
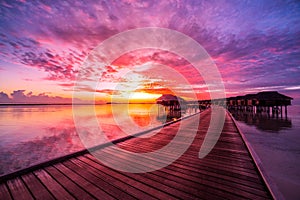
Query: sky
[[44, 45]]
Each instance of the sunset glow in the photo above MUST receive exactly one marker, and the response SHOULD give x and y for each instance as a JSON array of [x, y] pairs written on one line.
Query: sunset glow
[[149, 99], [142, 97], [44, 44]]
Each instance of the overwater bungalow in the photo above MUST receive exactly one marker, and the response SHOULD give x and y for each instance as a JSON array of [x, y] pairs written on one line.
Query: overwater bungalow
[[171, 101], [262, 101], [272, 98], [250, 100], [203, 104]]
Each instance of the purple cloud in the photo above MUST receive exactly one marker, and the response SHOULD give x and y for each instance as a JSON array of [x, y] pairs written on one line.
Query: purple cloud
[[254, 44], [20, 96]]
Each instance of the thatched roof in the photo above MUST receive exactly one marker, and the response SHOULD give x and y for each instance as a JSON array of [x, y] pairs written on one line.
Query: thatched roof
[[169, 97], [274, 95], [250, 96], [268, 95]]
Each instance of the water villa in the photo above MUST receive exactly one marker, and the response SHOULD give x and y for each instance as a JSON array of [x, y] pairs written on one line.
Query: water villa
[[172, 101], [261, 102]]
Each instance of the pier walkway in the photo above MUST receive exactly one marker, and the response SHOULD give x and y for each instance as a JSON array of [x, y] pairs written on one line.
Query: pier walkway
[[227, 172]]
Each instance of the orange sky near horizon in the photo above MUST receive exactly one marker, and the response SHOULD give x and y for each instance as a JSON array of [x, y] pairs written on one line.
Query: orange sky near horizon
[[255, 46], [141, 76]]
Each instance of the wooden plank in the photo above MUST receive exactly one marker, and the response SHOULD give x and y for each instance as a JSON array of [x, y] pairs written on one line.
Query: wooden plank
[[117, 180], [38, 190], [18, 189], [96, 192], [190, 156], [117, 183], [4, 193], [127, 178], [231, 166], [221, 184], [72, 188], [197, 190], [93, 179], [168, 188], [55, 188], [102, 181], [226, 175], [192, 161]]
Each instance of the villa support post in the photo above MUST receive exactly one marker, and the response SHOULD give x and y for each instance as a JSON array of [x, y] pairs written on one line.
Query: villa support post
[[285, 110]]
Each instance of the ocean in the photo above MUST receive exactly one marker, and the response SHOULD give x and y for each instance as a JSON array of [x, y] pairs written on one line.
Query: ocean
[[276, 141]]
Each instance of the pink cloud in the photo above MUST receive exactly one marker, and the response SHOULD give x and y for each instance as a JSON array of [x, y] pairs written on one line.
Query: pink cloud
[[247, 42]]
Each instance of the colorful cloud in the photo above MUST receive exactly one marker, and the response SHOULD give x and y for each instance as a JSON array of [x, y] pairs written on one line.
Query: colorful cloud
[[256, 44]]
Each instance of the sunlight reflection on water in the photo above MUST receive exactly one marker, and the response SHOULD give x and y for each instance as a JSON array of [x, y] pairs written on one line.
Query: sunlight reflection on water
[[37, 133]]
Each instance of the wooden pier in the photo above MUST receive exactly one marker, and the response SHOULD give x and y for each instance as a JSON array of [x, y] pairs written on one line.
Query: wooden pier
[[227, 172]]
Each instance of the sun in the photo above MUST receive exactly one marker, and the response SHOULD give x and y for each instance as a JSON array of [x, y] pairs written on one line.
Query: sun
[[143, 97]]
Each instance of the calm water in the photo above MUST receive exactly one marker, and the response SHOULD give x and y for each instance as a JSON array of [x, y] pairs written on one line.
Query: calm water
[[276, 141], [33, 134]]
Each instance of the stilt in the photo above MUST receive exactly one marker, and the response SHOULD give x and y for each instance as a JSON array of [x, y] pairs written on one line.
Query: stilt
[[285, 110]]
